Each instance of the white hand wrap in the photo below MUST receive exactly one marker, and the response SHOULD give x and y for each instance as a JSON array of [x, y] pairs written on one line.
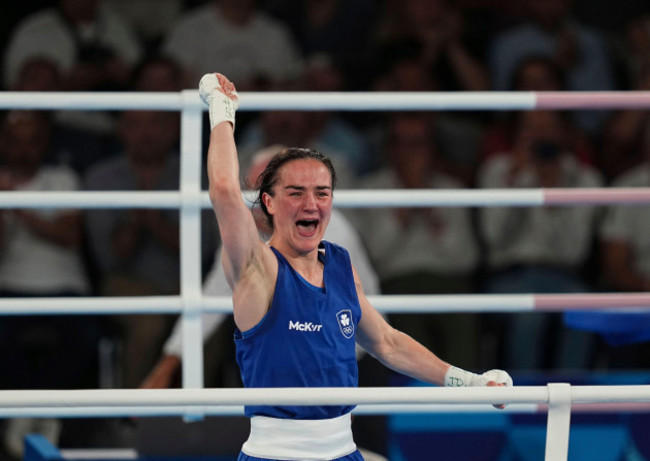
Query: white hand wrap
[[457, 377], [221, 107]]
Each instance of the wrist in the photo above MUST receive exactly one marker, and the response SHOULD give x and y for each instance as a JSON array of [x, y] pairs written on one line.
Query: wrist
[[222, 109], [457, 377]]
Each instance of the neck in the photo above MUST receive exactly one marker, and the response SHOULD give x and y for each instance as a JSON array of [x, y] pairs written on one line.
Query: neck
[[303, 262], [308, 265]]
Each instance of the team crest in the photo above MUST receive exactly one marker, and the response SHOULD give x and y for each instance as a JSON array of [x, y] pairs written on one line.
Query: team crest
[[346, 324]]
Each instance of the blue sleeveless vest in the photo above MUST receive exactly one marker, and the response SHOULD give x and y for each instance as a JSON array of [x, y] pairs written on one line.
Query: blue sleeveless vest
[[307, 338]]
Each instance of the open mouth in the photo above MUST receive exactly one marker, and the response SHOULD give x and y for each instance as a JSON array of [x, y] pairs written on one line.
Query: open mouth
[[307, 227]]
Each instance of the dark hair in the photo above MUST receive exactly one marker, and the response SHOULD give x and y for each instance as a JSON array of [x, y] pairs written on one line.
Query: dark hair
[[152, 60], [269, 177]]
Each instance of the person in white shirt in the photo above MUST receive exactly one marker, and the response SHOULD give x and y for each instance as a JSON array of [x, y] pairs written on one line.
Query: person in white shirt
[[40, 256], [236, 36], [625, 259], [422, 250], [538, 249], [93, 48]]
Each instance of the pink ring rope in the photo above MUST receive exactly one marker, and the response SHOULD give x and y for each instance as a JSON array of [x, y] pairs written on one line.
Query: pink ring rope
[[592, 100]]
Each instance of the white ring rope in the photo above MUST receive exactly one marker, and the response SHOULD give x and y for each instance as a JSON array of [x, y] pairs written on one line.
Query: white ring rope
[[363, 409], [379, 400], [349, 101], [404, 304], [367, 198]]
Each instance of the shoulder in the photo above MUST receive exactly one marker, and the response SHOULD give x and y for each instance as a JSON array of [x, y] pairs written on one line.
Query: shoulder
[[39, 21], [59, 177], [445, 181], [635, 177], [495, 165], [585, 175]]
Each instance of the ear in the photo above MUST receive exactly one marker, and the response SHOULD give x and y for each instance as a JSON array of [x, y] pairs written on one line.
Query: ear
[[268, 202]]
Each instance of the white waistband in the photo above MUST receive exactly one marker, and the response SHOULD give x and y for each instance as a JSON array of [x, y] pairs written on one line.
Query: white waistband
[[293, 439]]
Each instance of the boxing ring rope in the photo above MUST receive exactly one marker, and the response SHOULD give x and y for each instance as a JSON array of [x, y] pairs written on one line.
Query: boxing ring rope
[[340, 101], [388, 304], [371, 400], [367, 198], [556, 398]]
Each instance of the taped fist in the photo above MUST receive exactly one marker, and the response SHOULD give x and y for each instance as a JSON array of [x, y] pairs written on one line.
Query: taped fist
[[457, 377], [220, 95]]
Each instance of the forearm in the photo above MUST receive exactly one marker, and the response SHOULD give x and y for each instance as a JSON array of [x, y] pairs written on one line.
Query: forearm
[[470, 73], [163, 374], [223, 164], [406, 356]]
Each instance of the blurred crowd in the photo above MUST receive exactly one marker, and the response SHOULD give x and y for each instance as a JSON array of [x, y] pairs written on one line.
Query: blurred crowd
[[331, 46]]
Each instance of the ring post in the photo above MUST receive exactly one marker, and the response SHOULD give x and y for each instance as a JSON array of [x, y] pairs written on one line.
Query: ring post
[[558, 422], [190, 235]]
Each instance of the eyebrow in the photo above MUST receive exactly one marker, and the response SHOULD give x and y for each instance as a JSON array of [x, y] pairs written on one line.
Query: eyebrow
[[302, 188]]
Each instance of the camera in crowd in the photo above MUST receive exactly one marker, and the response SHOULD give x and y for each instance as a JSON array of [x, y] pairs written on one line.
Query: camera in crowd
[[546, 151]]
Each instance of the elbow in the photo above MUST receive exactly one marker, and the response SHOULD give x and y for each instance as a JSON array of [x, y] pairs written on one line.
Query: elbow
[[222, 189]]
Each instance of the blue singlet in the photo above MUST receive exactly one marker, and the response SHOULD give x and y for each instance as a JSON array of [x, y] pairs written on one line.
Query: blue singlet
[[307, 338]]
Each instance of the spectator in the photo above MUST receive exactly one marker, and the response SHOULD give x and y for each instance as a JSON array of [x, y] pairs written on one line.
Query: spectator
[[150, 21], [93, 49], [73, 147], [341, 29], [535, 73], [417, 250], [579, 52], [157, 73], [437, 27], [325, 131], [236, 37], [136, 252], [637, 50], [40, 257], [459, 136], [541, 249], [624, 132], [625, 256]]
